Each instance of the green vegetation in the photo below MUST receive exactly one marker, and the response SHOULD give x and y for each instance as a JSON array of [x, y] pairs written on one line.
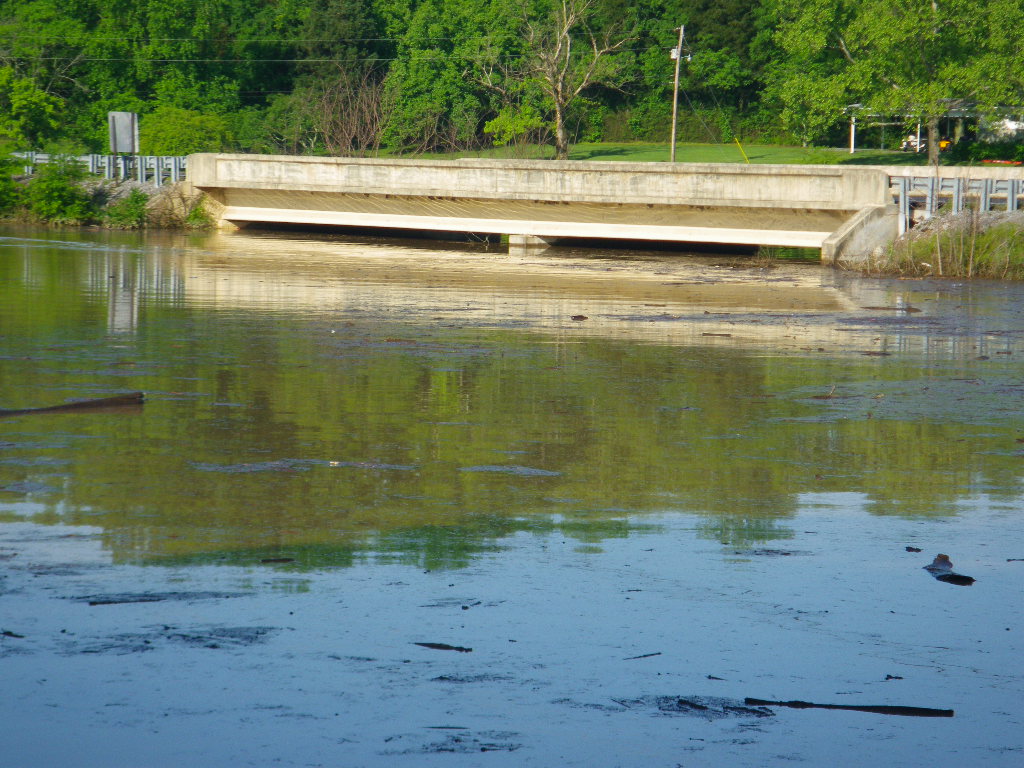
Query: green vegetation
[[62, 192], [55, 193], [171, 130], [196, 216], [129, 212], [10, 190], [967, 245], [894, 57], [352, 77]]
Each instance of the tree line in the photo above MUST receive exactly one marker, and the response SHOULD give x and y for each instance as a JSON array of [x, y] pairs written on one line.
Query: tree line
[[351, 77]]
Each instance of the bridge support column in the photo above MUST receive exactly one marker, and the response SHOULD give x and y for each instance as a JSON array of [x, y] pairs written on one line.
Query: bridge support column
[[527, 241], [522, 245]]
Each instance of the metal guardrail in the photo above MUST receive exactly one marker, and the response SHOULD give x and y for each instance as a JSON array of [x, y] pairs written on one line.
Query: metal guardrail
[[155, 169], [930, 194]]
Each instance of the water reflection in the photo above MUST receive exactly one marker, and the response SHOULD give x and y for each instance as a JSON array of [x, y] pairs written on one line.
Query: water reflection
[[315, 403]]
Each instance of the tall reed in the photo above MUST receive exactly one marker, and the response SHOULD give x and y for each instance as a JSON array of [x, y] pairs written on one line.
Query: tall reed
[[968, 244]]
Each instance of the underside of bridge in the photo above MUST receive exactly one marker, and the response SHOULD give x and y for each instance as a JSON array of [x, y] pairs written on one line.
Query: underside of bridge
[[537, 219]]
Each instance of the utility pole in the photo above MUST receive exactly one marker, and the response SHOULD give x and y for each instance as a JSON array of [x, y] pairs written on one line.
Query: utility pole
[[677, 54]]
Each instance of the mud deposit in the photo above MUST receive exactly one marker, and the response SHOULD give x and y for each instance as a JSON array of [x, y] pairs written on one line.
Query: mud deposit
[[392, 506]]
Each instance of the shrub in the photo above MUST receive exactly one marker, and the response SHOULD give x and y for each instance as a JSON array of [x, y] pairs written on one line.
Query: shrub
[[55, 193], [651, 120], [197, 217], [175, 131], [10, 192], [512, 125], [129, 212], [978, 151]]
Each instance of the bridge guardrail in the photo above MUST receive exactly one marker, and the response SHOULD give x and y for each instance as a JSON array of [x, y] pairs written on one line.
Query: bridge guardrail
[[930, 194], [155, 169]]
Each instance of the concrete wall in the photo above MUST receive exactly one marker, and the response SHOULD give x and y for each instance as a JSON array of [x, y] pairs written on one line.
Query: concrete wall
[[772, 205], [710, 184], [857, 241]]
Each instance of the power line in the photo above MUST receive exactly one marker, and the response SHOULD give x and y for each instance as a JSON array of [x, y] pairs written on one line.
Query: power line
[[195, 61], [440, 57], [123, 38]]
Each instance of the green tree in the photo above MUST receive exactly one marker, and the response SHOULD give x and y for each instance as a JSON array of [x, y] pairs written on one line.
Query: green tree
[[896, 57], [28, 115], [175, 131], [435, 88], [10, 190]]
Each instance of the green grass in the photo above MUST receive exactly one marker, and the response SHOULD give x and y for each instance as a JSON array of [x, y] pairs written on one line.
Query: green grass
[[641, 152], [962, 246]]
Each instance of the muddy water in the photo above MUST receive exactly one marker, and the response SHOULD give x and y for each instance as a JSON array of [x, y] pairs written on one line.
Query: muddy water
[[402, 504]]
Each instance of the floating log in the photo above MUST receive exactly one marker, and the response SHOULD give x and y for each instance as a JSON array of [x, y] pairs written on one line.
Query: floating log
[[942, 569], [445, 647], [132, 398], [881, 709]]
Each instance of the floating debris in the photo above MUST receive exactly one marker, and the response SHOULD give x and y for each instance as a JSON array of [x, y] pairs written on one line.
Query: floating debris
[[463, 742], [444, 647], [152, 597], [115, 401], [879, 709], [942, 569], [212, 637], [767, 552], [512, 469], [705, 707]]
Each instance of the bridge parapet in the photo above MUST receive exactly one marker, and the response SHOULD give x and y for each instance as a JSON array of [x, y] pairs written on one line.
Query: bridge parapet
[[705, 184]]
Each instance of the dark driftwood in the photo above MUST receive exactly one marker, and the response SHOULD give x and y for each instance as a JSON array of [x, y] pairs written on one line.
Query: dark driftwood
[[132, 398], [881, 709], [955, 578], [445, 647]]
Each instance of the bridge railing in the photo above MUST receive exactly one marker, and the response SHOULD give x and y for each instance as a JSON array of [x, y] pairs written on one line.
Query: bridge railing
[[154, 169], [930, 194]]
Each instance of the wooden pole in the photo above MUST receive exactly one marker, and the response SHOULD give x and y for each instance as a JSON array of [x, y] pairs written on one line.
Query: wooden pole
[[675, 96]]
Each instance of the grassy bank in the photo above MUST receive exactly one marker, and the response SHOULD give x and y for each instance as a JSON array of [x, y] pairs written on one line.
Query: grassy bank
[[969, 244], [640, 152], [62, 192]]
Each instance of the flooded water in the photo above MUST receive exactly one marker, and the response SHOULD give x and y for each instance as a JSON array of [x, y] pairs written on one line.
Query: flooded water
[[406, 504]]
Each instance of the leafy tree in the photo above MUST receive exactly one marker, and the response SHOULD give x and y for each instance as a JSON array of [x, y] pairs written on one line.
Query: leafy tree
[[10, 190], [175, 131], [27, 114], [435, 86], [898, 57]]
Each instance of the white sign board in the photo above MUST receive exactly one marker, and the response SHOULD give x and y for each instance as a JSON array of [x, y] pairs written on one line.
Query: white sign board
[[124, 132]]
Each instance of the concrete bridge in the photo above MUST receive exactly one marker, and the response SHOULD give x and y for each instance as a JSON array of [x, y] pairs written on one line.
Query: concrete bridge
[[845, 212]]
